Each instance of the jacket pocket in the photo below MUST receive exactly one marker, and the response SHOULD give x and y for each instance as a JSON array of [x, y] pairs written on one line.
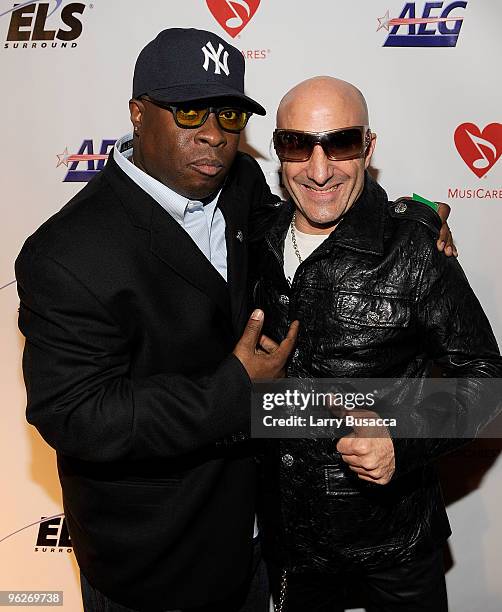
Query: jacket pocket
[[148, 483], [337, 482], [370, 310]]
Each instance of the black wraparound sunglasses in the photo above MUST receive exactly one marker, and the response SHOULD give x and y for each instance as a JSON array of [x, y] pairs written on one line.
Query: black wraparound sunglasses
[[338, 145]]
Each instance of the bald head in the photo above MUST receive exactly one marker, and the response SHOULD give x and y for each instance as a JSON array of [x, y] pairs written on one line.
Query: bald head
[[321, 104], [323, 186]]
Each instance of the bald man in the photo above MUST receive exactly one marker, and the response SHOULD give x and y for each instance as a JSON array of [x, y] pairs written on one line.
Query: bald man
[[374, 298]]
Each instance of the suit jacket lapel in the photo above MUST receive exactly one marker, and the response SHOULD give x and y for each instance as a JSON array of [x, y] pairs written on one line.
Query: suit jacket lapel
[[169, 242], [233, 205]]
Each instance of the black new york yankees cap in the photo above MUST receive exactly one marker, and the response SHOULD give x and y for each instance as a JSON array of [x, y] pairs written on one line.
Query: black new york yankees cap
[[183, 65]]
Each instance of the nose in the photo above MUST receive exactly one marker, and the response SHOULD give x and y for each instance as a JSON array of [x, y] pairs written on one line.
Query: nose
[[319, 168], [211, 133]]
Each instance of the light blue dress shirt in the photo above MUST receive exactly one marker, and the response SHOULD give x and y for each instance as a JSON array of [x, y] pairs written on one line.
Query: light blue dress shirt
[[204, 223]]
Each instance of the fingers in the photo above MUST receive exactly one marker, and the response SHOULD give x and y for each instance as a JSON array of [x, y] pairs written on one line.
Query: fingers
[[346, 446], [378, 476], [371, 459], [370, 470], [443, 211], [252, 331], [362, 464], [260, 355], [267, 344], [382, 480], [289, 341], [280, 355], [450, 248], [353, 448], [445, 242]]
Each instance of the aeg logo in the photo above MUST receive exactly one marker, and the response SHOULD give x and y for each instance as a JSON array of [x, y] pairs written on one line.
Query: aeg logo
[[30, 21], [85, 155], [434, 30]]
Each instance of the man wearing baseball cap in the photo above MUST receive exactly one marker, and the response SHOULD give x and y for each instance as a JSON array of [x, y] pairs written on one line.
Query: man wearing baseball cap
[[138, 360]]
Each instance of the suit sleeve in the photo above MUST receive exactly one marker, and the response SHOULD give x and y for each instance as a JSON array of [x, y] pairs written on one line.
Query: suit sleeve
[[81, 394], [458, 338]]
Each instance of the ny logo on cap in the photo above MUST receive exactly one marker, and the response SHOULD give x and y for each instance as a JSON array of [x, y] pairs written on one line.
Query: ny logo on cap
[[210, 53]]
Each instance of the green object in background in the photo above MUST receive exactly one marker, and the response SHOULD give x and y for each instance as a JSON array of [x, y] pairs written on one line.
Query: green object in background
[[419, 198]]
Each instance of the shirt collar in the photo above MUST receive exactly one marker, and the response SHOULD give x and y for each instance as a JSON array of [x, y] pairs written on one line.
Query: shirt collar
[[174, 203]]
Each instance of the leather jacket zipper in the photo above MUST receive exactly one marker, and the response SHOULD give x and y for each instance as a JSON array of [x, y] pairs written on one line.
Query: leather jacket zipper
[[282, 593], [279, 257]]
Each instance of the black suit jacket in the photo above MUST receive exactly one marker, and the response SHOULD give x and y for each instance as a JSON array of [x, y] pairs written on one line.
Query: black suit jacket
[[130, 377]]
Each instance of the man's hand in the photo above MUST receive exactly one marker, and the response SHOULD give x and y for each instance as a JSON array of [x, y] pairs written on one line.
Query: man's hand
[[445, 241], [371, 458], [261, 356]]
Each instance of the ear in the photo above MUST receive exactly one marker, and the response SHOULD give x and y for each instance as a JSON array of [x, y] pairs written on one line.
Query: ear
[[136, 110], [370, 150]]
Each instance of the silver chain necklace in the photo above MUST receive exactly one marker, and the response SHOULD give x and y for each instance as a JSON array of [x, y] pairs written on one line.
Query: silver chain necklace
[[293, 238]]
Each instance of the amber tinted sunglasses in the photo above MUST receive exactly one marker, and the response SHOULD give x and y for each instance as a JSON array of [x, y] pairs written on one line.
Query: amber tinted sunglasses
[[229, 118]]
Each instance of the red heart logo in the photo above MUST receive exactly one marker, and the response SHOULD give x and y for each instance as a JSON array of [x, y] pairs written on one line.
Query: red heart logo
[[233, 15], [479, 149]]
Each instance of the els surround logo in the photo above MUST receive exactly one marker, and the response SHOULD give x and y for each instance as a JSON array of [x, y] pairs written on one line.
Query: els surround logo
[[441, 29], [31, 26], [480, 150], [85, 155], [52, 534]]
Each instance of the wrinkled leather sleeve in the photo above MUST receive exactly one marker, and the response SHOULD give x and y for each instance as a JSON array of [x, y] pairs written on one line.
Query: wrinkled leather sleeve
[[458, 338]]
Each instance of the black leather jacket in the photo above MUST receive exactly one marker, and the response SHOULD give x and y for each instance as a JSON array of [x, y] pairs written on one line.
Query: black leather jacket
[[376, 299]]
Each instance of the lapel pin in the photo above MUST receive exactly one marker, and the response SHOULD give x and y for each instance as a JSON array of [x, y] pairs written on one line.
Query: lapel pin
[[239, 236]]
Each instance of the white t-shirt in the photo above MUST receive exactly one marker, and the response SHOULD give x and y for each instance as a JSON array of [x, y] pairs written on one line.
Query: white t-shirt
[[307, 244]]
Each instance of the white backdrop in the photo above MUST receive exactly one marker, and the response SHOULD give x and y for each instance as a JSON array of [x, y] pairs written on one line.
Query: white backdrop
[[58, 93]]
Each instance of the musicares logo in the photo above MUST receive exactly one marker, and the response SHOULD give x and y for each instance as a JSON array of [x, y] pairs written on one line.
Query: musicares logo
[[233, 15], [480, 150]]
